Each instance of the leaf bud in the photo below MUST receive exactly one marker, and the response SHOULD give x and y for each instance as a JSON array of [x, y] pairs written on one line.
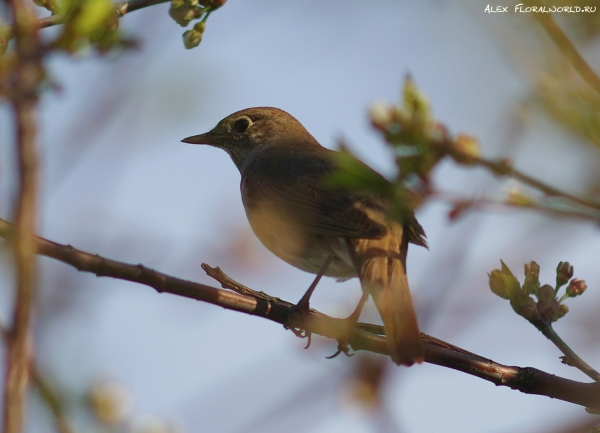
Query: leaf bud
[[381, 114], [576, 287], [564, 272], [532, 281], [191, 39], [465, 149]]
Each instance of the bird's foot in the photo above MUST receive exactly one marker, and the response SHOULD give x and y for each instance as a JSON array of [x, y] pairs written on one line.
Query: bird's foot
[[301, 313], [348, 325], [302, 308]]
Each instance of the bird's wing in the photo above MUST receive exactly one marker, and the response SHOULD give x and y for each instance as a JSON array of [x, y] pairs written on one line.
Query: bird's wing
[[295, 190], [305, 205]]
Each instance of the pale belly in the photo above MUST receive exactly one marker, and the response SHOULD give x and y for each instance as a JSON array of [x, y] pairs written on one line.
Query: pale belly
[[300, 249]]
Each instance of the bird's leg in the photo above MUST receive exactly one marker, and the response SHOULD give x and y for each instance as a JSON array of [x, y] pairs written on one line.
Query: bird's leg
[[303, 305], [350, 323]]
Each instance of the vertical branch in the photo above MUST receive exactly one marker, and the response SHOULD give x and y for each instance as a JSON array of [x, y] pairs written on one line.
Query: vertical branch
[[24, 86], [566, 47]]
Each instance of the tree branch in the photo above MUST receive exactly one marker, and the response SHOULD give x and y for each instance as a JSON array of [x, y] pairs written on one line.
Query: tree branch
[[503, 167], [461, 205], [25, 80], [365, 337], [570, 358], [46, 390], [566, 47]]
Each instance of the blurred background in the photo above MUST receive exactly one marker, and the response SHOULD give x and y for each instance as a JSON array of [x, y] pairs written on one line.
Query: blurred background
[[116, 181]]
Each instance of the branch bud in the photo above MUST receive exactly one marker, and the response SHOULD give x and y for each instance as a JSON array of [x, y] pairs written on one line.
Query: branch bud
[[562, 310], [381, 114], [527, 308], [465, 149], [564, 272], [191, 39], [547, 305], [532, 281], [183, 14], [576, 287]]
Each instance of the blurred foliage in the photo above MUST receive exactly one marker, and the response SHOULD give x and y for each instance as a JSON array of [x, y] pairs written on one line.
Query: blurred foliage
[[419, 142], [565, 87], [366, 384], [572, 104], [88, 23], [583, 26]]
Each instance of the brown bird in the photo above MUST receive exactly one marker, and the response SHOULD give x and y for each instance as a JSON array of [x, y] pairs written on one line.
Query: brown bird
[[316, 227]]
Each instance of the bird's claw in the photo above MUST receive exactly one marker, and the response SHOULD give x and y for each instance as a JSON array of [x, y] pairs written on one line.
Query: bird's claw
[[302, 333], [302, 309], [342, 348]]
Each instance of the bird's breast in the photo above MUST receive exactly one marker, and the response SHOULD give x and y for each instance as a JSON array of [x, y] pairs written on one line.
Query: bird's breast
[[281, 235]]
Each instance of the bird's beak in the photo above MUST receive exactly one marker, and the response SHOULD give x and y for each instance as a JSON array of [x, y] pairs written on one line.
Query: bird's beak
[[206, 138]]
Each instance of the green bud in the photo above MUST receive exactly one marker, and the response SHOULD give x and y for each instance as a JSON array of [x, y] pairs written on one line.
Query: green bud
[[576, 287], [415, 103], [526, 308], [381, 114], [547, 305], [200, 26], [532, 281], [564, 272], [465, 149], [183, 14], [191, 39], [562, 310]]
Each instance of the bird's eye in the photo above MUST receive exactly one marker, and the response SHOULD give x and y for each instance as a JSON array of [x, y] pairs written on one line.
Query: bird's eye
[[241, 124]]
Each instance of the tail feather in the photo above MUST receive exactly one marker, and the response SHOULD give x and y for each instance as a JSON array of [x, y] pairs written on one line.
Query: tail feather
[[380, 264]]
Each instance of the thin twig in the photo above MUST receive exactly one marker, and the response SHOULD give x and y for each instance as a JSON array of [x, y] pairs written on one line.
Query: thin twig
[[463, 204], [525, 379], [503, 167], [566, 47], [46, 390], [26, 78], [229, 283], [52, 400], [570, 358]]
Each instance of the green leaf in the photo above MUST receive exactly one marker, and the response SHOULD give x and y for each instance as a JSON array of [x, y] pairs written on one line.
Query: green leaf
[[356, 175], [93, 15]]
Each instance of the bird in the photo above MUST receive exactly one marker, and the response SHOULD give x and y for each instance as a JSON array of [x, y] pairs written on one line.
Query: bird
[[318, 227]]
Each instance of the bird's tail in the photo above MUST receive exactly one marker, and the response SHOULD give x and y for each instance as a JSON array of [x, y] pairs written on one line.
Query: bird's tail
[[380, 264]]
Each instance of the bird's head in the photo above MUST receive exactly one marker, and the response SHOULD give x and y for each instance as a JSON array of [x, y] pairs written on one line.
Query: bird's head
[[246, 132]]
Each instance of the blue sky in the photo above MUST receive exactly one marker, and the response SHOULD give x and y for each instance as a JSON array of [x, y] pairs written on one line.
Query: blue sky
[[117, 181]]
